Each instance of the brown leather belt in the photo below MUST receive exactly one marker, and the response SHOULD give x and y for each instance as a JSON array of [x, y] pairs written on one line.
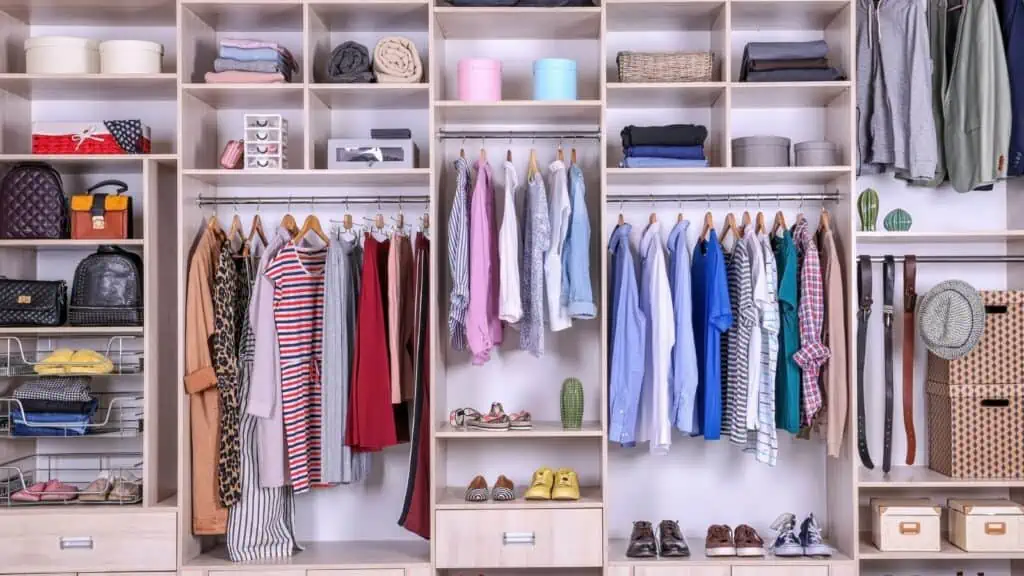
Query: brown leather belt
[[909, 305]]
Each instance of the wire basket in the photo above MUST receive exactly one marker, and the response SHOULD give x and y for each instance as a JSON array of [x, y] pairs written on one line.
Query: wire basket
[[18, 359], [71, 480], [665, 66], [117, 415]]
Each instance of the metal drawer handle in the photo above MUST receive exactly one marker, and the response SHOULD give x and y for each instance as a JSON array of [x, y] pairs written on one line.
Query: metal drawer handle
[[518, 538], [76, 543], [995, 528]]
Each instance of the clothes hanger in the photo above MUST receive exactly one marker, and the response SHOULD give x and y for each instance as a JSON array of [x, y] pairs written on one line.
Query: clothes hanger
[[236, 228], [730, 226], [744, 222], [709, 224], [622, 219], [533, 169], [780, 222], [213, 225], [483, 151], [288, 222], [825, 223], [462, 149], [256, 229], [760, 223], [561, 155], [679, 218], [399, 220], [654, 215], [312, 224], [572, 156]]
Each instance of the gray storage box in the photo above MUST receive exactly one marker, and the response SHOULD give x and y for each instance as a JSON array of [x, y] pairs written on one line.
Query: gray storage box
[[356, 153], [816, 153], [760, 151]]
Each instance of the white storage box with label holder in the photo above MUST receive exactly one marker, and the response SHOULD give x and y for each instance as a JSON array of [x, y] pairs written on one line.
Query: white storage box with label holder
[[62, 55], [986, 525], [130, 57], [355, 154], [906, 525]]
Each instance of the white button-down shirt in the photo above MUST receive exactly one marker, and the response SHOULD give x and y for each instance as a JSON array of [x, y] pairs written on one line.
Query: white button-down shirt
[[656, 304]]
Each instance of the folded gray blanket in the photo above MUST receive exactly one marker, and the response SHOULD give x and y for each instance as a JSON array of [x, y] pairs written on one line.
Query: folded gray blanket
[[226, 64], [349, 64]]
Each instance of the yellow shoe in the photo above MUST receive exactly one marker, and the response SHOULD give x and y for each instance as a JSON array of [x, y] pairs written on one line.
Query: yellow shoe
[[540, 486], [567, 485], [55, 363]]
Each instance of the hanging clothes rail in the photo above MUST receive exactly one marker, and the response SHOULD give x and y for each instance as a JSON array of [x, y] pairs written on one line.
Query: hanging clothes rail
[[957, 259], [519, 135], [639, 199], [306, 200]]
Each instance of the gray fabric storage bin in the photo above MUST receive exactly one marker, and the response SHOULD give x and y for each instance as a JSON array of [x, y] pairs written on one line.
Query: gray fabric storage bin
[[816, 153], [760, 151]]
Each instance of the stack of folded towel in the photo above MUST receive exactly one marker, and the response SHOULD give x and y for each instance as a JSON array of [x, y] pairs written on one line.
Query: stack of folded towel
[[395, 61], [53, 406], [251, 62], [672, 146], [787, 62]]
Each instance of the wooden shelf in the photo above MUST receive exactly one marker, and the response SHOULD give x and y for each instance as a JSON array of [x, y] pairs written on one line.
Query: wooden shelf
[[373, 96], [664, 95], [541, 429], [248, 96], [617, 556], [561, 23], [788, 175], [92, 86], [356, 555], [762, 95], [674, 15], [92, 12], [923, 477], [785, 14], [911, 237], [249, 15], [84, 163], [67, 244], [362, 15], [868, 551], [454, 498], [72, 331], [512, 112], [397, 177]]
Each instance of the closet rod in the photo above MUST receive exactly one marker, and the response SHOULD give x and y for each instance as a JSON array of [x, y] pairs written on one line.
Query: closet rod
[[958, 259], [519, 135], [305, 200], [637, 199]]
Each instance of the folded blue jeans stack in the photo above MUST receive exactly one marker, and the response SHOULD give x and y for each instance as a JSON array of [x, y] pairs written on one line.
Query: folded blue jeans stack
[[671, 146], [787, 62]]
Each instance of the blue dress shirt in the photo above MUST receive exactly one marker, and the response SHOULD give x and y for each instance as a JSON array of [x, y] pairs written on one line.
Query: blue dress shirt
[[628, 341], [712, 316], [683, 374]]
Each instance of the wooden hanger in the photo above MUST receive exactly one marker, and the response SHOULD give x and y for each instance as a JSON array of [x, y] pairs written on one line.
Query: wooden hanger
[[236, 229], [483, 154], [508, 155], [561, 155], [573, 155], [709, 224], [533, 169], [289, 224], [730, 226], [653, 218], [780, 221], [744, 222], [825, 222], [679, 217], [760, 223], [312, 224], [462, 149], [256, 229]]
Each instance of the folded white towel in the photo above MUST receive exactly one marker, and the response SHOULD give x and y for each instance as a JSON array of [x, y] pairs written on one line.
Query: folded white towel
[[396, 61]]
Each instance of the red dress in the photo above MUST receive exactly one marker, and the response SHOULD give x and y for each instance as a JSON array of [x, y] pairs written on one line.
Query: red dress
[[371, 421]]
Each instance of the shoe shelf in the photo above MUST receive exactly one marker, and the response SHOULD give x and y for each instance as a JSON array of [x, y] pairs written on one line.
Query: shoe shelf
[[617, 557], [868, 551], [454, 498], [541, 429], [77, 470]]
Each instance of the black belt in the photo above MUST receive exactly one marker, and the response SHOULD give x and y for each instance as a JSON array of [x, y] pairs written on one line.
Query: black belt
[[909, 303], [864, 286], [888, 280]]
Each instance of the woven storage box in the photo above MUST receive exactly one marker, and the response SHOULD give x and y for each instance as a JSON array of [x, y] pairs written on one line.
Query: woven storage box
[[999, 356], [976, 431], [664, 66]]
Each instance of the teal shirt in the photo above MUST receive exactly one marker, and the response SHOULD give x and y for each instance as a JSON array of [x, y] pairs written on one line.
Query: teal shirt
[[787, 378]]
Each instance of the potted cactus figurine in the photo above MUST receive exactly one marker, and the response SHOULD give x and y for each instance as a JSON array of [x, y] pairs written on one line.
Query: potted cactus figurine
[[572, 404]]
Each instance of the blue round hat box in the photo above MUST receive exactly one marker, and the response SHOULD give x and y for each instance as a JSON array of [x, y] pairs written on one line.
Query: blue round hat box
[[554, 79]]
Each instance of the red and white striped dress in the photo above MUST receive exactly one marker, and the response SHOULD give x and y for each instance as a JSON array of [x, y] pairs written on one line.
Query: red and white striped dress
[[298, 277]]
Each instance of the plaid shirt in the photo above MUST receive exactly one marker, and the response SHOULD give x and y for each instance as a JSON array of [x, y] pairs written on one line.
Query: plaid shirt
[[812, 354], [56, 388]]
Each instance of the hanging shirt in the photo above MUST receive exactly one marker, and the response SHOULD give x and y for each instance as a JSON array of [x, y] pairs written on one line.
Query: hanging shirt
[[834, 375], [711, 317], [558, 309], [458, 257], [536, 240], [741, 300], [510, 305], [765, 441], [759, 292], [400, 320], [683, 375], [656, 304], [628, 336], [576, 288], [811, 317], [483, 328], [787, 379]]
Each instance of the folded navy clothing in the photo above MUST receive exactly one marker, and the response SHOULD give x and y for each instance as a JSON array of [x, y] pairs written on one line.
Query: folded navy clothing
[[52, 423], [670, 135], [390, 133], [58, 406], [785, 50], [796, 75], [645, 162], [681, 152]]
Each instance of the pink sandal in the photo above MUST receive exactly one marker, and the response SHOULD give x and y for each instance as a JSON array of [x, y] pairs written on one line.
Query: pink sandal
[[496, 420], [521, 421]]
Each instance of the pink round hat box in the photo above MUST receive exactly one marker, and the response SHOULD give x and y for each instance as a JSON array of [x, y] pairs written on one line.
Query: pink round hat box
[[479, 80]]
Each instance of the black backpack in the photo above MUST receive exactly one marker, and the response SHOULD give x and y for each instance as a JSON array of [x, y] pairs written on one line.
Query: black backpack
[[107, 289], [32, 203]]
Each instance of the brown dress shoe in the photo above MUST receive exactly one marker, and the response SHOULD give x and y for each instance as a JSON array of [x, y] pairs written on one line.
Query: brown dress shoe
[[719, 542], [504, 489], [748, 542]]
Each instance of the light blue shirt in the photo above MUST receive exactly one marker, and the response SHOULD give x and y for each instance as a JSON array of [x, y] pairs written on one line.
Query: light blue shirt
[[683, 375], [576, 289], [628, 341]]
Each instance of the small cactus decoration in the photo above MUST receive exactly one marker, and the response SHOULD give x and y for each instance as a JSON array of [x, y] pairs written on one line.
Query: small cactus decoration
[[572, 404], [867, 206], [898, 220]]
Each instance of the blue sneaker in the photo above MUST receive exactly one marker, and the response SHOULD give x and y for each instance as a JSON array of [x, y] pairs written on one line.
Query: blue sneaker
[[810, 538], [786, 542]]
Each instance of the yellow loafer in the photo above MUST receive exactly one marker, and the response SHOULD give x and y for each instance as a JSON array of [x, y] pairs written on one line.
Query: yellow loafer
[[540, 486], [567, 485]]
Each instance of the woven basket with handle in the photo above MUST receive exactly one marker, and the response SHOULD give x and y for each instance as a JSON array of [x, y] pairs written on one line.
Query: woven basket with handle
[[664, 66]]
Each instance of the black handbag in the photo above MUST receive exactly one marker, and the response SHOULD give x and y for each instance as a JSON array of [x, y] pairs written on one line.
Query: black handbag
[[32, 203], [107, 289], [33, 302]]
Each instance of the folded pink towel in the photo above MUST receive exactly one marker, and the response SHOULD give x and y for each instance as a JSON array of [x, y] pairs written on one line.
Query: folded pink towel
[[240, 77], [243, 43]]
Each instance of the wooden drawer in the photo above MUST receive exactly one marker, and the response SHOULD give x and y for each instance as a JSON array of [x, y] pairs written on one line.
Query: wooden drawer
[[780, 571], [381, 572], [267, 572], [547, 538], [101, 541], [681, 571]]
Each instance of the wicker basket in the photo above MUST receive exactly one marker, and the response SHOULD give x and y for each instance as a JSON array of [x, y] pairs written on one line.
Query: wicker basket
[[664, 66]]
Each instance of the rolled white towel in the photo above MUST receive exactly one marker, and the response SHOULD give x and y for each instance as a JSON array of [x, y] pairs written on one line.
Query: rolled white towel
[[396, 61]]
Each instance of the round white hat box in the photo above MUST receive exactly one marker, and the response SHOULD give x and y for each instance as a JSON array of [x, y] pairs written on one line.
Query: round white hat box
[[130, 57], [61, 55]]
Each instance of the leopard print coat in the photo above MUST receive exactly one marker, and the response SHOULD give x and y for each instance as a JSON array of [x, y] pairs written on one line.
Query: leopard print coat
[[228, 286]]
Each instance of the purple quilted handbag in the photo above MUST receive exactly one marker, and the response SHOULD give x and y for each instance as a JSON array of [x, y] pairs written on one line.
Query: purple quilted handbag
[[32, 203]]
